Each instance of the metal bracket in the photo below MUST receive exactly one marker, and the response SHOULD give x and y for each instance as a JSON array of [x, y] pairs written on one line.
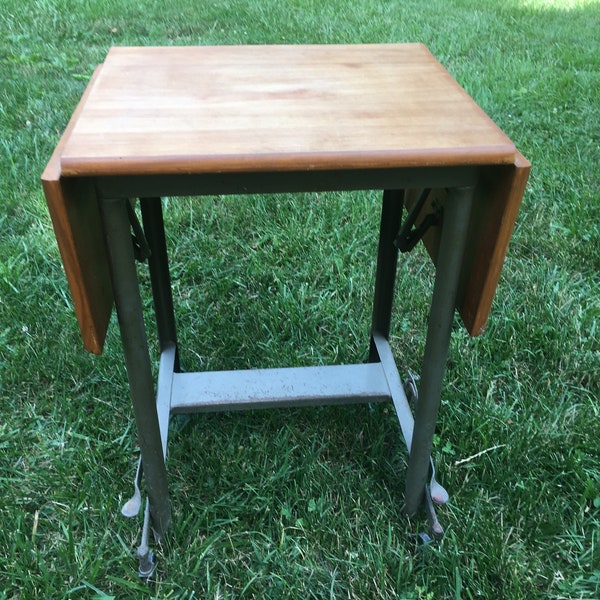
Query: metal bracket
[[409, 235], [141, 250], [410, 388], [131, 508]]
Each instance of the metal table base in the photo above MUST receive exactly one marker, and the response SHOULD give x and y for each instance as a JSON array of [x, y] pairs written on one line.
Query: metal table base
[[376, 381]]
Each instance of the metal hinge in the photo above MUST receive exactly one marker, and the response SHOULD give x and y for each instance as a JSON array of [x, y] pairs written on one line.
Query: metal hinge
[[409, 235], [141, 250]]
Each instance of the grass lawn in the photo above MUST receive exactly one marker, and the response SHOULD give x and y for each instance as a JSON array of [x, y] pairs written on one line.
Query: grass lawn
[[308, 503]]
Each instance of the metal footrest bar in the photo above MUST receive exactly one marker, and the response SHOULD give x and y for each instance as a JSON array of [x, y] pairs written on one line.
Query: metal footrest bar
[[214, 391], [284, 387], [269, 388]]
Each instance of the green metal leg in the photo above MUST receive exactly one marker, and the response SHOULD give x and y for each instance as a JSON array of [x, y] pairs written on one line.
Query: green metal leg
[[158, 264], [137, 358], [387, 259], [455, 226]]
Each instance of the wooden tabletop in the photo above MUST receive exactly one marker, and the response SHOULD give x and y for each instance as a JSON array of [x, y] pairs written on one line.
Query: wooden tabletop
[[277, 108], [267, 109]]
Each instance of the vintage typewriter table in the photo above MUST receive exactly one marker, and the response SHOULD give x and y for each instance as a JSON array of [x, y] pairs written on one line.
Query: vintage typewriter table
[[193, 121]]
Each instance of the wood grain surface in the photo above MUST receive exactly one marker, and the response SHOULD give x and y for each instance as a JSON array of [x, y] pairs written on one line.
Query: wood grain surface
[[270, 108]]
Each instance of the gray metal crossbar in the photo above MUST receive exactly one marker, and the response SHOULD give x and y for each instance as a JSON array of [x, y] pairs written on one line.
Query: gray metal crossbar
[[269, 388]]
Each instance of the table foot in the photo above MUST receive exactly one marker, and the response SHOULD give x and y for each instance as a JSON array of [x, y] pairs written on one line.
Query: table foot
[[438, 493], [437, 531], [132, 507], [147, 562]]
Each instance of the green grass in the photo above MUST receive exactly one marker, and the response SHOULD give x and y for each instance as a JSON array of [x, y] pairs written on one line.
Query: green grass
[[307, 503]]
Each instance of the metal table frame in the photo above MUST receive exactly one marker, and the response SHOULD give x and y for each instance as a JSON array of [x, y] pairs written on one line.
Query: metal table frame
[[376, 381]]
